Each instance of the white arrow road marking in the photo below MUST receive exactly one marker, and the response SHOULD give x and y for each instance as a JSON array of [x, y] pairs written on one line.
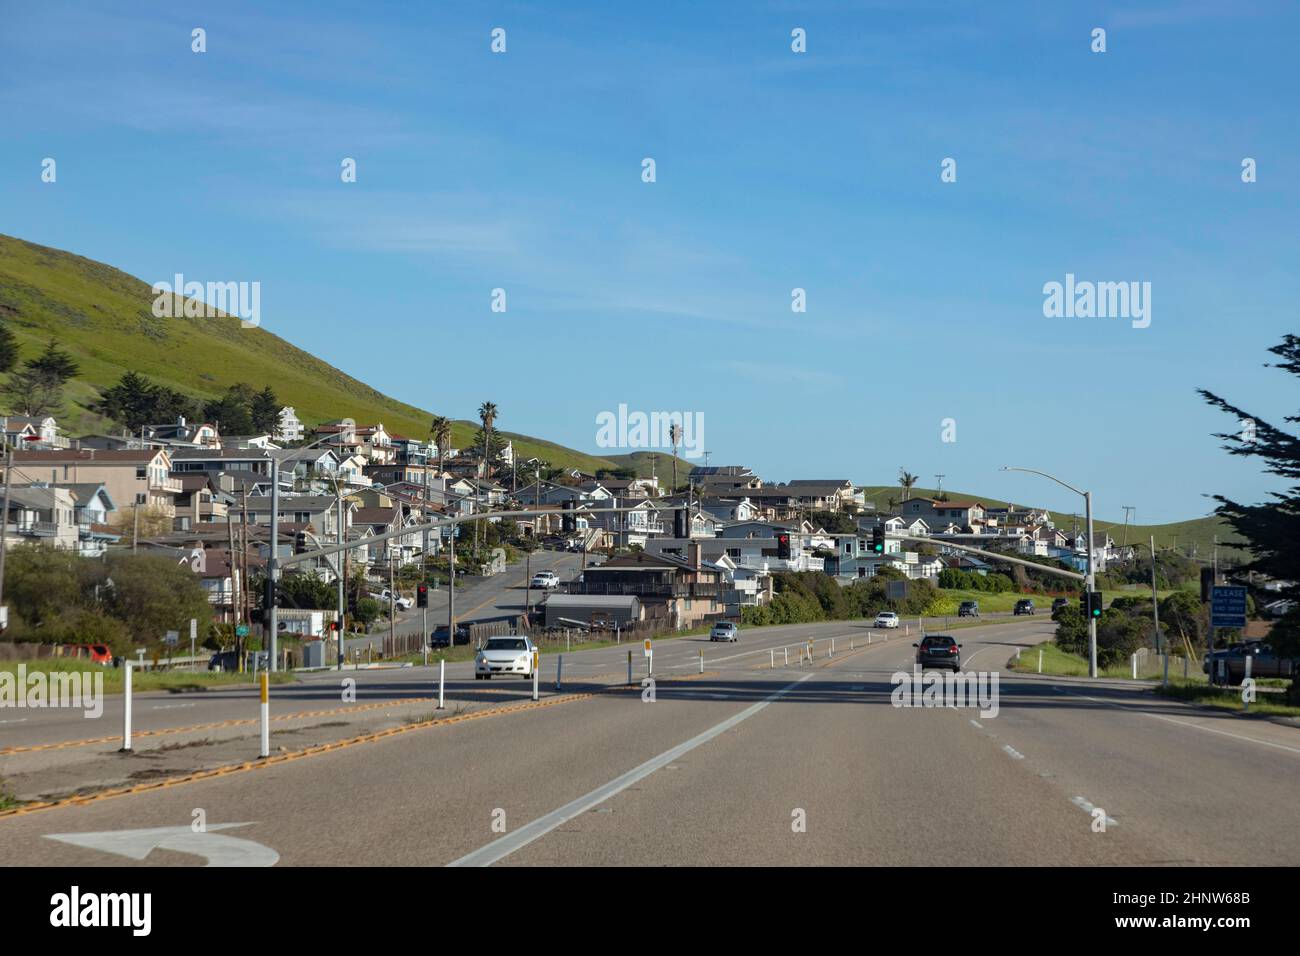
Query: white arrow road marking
[[500, 849], [218, 850]]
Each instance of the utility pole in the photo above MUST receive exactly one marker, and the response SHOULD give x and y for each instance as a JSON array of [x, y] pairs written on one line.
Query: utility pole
[[392, 603], [1127, 509], [1092, 586], [1155, 603], [340, 566], [4, 519], [451, 591], [273, 565], [939, 491], [234, 574]]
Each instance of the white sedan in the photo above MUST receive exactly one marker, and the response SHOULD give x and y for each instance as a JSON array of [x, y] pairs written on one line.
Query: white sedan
[[886, 619], [507, 654]]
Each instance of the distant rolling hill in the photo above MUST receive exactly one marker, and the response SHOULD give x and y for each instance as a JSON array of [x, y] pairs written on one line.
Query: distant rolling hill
[[104, 318]]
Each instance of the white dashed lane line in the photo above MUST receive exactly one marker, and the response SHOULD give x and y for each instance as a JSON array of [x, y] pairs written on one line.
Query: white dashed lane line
[[1012, 752]]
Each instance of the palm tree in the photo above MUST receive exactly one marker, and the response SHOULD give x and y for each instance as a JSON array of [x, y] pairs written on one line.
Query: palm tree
[[440, 429], [675, 436], [487, 414], [908, 481]]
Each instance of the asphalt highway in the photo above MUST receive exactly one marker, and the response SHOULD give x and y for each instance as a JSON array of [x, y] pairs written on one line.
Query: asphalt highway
[[744, 764]]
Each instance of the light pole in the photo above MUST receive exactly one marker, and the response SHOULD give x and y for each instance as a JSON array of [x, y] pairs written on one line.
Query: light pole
[[1090, 581]]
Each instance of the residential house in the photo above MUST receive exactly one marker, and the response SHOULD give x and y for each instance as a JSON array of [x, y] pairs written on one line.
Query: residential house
[[22, 431], [43, 513], [140, 478], [288, 428], [183, 433], [686, 592], [93, 508], [200, 500]]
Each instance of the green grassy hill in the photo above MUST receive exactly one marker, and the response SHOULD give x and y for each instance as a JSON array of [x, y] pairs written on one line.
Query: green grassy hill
[[1195, 535], [104, 318]]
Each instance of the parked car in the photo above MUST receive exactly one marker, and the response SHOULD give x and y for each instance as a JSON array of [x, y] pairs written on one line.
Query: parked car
[[724, 631], [511, 654], [938, 650], [969, 609], [439, 636], [545, 580], [229, 661], [885, 619], [1264, 661], [97, 653], [1023, 607]]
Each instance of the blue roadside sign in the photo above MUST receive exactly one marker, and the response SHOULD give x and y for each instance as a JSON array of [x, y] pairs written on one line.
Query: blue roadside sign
[[1228, 607]]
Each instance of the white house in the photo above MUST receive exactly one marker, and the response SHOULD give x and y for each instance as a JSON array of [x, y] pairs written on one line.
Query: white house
[[289, 428]]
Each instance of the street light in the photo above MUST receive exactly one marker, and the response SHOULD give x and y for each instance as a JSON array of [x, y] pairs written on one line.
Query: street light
[[1091, 581]]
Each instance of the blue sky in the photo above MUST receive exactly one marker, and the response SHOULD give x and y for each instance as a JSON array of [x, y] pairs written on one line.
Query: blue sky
[[775, 170]]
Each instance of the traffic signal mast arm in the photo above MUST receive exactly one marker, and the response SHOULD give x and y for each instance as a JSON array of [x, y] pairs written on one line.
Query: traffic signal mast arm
[[1046, 569]]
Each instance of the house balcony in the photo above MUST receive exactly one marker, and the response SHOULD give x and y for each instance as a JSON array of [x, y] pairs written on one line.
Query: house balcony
[[39, 529], [167, 484]]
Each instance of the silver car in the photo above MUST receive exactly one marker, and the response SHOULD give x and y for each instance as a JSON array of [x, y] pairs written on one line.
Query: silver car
[[724, 631]]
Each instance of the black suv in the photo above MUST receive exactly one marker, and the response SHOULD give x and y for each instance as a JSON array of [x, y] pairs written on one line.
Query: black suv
[[1024, 607], [938, 650], [1060, 603], [969, 609], [439, 636]]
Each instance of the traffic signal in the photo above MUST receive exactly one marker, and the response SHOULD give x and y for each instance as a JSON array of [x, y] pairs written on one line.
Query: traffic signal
[[878, 539], [1090, 604], [422, 595], [783, 546], [570, 520], [300, 542]]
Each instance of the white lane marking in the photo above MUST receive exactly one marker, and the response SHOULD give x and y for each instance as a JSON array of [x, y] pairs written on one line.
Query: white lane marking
[[170, 706], [1087, 808], [976, 723], [500, 849], [1184, 723], [1015, 754], [19, 720]]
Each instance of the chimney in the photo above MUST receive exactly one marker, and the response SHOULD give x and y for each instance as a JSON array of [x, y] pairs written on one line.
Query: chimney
[[696, 554]]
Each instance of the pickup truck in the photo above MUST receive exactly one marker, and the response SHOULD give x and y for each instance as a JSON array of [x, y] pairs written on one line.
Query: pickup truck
[[404, 603], [1264, 661]]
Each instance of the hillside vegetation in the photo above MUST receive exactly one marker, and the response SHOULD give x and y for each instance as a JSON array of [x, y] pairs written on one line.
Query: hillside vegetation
[[104, 318]]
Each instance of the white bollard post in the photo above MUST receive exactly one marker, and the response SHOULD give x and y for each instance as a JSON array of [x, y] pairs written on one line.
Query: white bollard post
[[832, 653], [126, 701], [535, 670], [559, 672], [1135, 667], [266, 716], [1040, 660], [771, 655], [787, 656], [442, 679], [868, 637], [701, 662]]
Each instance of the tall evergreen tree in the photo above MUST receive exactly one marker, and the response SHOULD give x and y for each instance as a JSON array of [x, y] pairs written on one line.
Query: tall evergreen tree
[[1271, 528], [8, 349]]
